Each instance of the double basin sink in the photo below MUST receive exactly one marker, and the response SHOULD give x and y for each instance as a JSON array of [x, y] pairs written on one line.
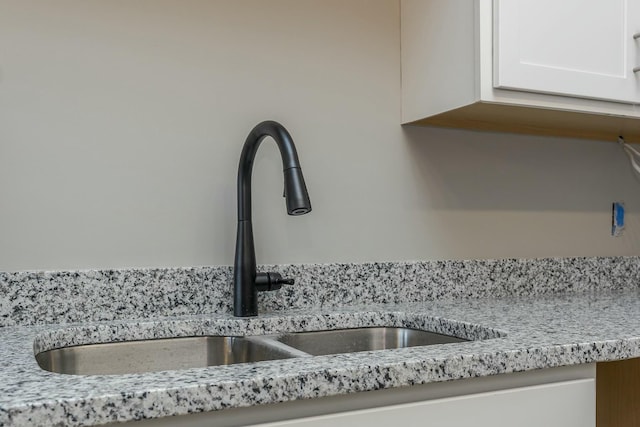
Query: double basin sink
[[193, 352]]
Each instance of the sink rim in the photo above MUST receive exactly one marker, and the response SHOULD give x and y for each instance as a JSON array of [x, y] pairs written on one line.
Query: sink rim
[[263, 327], [58, 336], [258, 348]]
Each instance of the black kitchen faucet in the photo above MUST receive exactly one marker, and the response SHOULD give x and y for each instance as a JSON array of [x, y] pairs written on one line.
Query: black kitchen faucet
[[246, 281]]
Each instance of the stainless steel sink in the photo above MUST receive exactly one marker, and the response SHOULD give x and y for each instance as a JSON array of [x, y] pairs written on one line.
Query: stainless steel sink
[[362, 339], [193, 352], [160, 355]]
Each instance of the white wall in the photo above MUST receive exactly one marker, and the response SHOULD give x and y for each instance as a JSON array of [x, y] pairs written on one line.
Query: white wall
[[121, 124]]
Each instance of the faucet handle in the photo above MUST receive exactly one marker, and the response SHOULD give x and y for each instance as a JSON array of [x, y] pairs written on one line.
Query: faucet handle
[[286, 281], [271, 281]]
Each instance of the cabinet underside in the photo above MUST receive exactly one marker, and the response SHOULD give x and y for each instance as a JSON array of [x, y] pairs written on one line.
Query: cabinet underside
[[537, 121]]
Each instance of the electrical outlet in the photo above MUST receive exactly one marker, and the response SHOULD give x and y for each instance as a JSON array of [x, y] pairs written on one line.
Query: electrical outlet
[[617, 219]]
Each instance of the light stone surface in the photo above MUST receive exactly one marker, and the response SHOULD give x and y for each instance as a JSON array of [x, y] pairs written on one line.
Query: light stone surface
[[30, 298], [528, 315]]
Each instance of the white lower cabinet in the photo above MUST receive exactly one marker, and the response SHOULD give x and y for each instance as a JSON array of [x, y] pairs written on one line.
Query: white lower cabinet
[[562, 397], [563, 404]]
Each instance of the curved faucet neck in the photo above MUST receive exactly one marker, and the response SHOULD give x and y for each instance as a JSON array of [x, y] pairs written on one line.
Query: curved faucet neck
[[247, 157]]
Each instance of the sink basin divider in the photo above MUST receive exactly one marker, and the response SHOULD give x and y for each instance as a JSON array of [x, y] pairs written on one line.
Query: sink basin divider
[[271, 341]]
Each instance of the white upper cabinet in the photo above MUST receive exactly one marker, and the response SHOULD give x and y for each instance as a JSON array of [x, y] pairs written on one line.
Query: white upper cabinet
[[582, 48], [545, 67]]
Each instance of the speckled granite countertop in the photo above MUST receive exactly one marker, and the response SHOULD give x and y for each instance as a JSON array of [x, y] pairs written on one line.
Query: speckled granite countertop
[[519, 330]]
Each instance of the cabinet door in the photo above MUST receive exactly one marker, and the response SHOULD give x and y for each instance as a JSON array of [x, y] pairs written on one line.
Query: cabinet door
[[582, 48], [562, 404]]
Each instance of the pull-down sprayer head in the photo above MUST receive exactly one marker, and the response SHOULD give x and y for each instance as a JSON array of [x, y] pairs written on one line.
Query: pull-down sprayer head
[[295, 191]]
